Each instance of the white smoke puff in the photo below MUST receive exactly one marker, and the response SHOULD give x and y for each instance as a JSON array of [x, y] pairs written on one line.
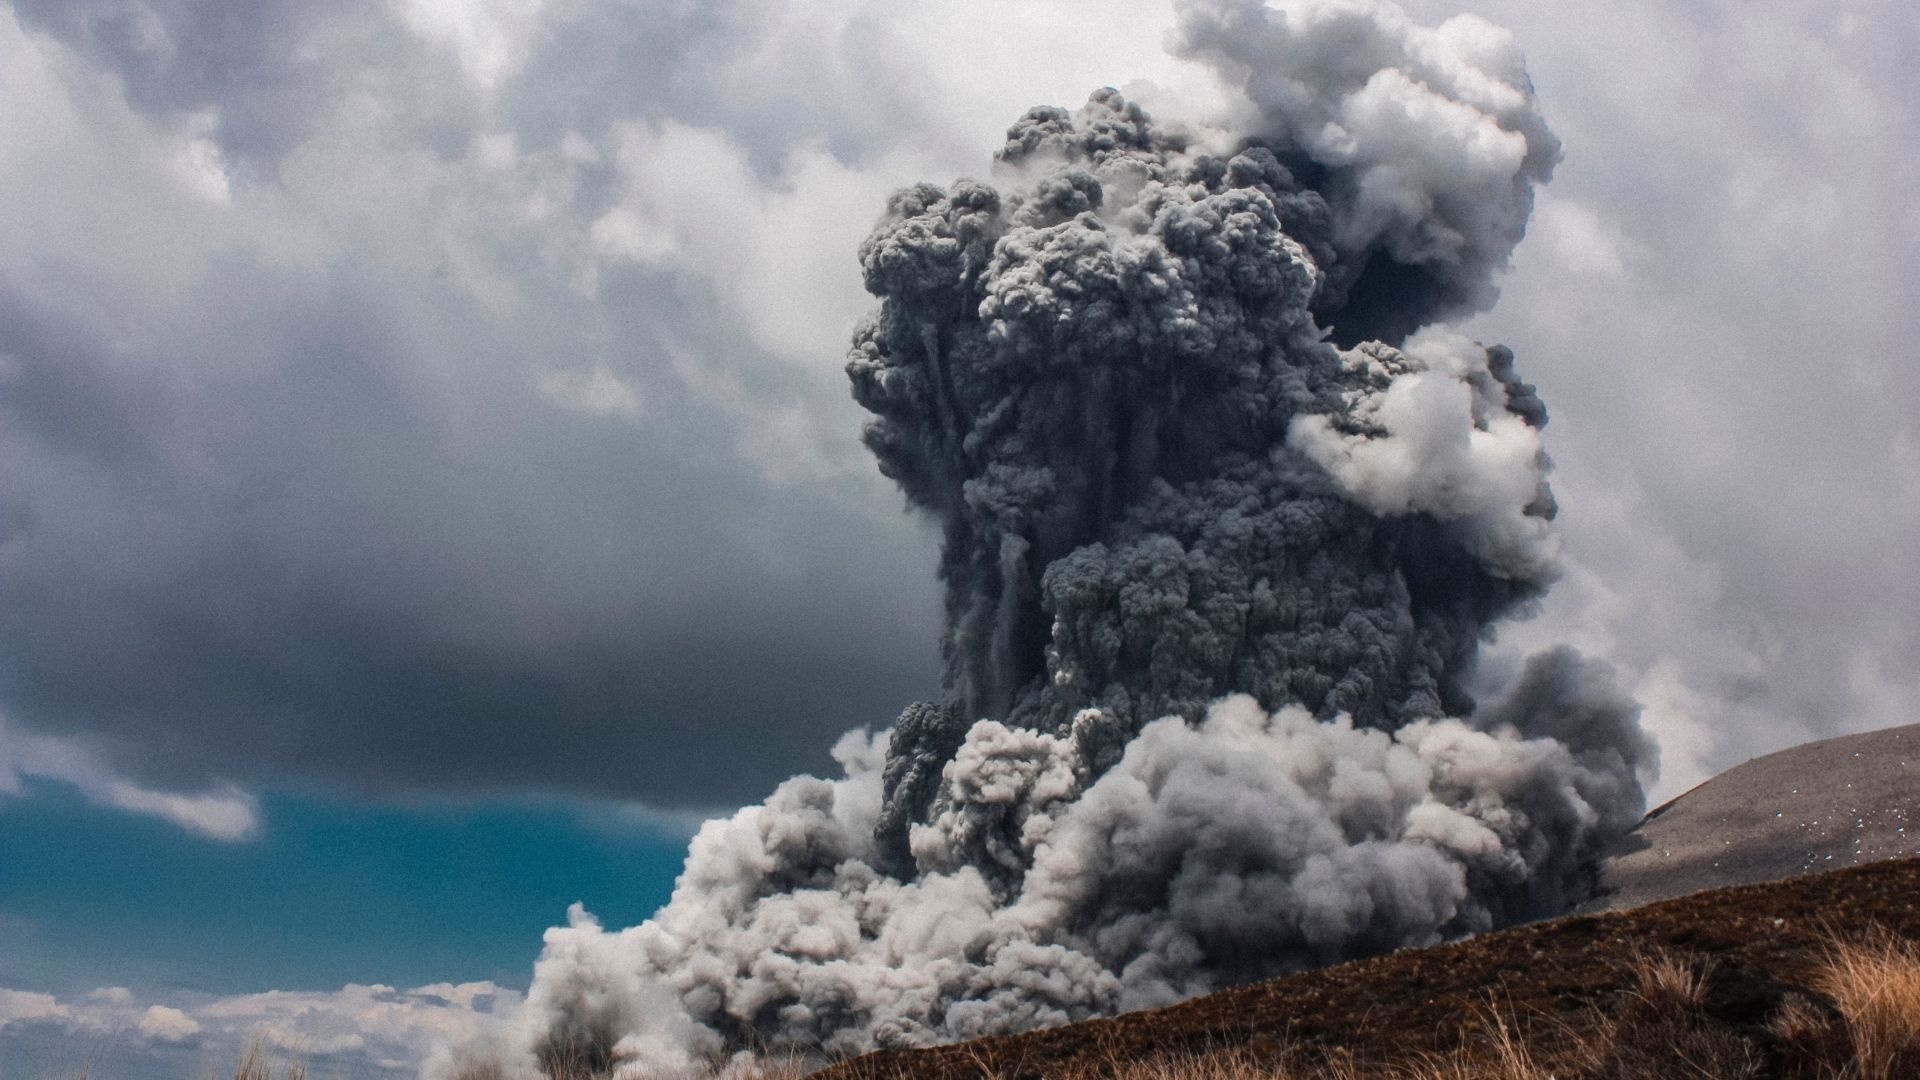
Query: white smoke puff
[[1003, 787], [781, 927], [1209, 850], [1431, 131], [1431, 431]]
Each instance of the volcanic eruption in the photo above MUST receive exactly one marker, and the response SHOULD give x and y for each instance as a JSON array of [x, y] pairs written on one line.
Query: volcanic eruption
[[1226, 513]]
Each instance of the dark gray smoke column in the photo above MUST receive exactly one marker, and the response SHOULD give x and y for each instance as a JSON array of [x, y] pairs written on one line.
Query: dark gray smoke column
[[1213, 582], [1090, 379]]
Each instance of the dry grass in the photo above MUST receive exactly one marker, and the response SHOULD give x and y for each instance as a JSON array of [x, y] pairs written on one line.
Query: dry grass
[[1494, 1051], [1874, 984], [1665, 1025], [1664, 981]]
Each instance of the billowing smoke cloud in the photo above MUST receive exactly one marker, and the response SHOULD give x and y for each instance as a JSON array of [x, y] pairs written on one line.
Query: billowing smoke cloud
[[1424, 142], [1214, 583]]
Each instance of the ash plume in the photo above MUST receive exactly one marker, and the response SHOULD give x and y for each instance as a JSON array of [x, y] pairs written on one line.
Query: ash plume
[[1226, 512]]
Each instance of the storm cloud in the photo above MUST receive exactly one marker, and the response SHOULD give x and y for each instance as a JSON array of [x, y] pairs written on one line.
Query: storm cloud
[[494, 213], [404, 469]]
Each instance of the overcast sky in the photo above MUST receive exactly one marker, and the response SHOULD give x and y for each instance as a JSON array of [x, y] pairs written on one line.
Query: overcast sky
[[440, 400]]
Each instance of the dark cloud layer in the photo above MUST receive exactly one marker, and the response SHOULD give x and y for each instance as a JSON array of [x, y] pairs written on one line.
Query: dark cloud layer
[[302, 571], [1727, 230], [335, 512]]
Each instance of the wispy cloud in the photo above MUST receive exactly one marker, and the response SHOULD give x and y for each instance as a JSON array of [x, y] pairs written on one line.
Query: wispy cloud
[[224, 812]]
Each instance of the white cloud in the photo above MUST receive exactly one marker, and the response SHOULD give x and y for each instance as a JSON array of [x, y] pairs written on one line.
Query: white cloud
[[779, 250], [488, 36], [596, 392], [23, 1006], [353, 1029], [621, 233], [1578, 240], [167, 1024]]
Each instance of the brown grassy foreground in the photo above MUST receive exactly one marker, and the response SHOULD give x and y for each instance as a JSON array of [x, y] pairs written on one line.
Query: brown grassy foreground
[[1811, 978]]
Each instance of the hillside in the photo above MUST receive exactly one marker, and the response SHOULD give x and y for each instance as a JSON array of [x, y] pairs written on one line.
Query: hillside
[[1557, 982], [1817, 806]]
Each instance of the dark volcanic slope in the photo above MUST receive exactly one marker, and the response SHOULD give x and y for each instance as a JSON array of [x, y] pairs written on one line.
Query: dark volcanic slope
[[1822, 805], [1547, 975]]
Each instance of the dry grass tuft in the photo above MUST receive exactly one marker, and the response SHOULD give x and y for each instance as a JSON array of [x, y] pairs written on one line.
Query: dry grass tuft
[[1663, 1026], [1874, 983], [1494, 1050], [1665, 982]]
